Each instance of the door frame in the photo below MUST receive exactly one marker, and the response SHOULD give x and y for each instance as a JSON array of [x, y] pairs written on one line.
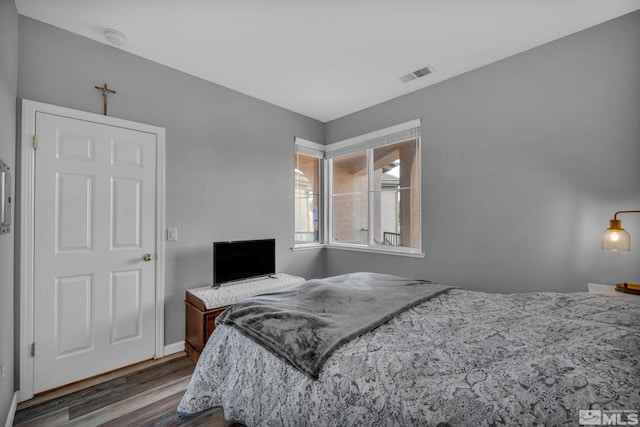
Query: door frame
[[25, 220]]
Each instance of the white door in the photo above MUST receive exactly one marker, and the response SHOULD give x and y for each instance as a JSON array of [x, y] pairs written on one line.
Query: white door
[[94, 292]]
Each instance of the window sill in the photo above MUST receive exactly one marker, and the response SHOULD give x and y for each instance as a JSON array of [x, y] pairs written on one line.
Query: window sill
[[406, 252], [411, 253], [307, 246]]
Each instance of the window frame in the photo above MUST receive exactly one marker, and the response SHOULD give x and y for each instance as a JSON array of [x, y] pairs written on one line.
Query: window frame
[[371, 246], [367, 142], [313, 149]]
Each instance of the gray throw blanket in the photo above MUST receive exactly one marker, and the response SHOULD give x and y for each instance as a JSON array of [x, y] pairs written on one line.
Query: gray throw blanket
[[306, 324]]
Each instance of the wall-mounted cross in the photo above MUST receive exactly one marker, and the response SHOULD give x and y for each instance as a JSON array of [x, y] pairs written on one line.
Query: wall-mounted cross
[[105, 94]]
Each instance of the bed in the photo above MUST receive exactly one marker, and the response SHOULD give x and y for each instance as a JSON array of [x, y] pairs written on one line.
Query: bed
[[457, 358]]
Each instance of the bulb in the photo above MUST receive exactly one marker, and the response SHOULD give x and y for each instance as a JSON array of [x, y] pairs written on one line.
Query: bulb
[[615, 238]]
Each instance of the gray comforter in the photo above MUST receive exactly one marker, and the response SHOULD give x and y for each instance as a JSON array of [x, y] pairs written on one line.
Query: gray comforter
[[462, 358], [306, 324]]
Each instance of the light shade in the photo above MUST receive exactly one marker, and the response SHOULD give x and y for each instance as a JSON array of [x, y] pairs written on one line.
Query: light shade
[[615, 238]]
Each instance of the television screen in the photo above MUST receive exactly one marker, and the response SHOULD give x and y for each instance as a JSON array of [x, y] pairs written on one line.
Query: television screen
[[243, 259]]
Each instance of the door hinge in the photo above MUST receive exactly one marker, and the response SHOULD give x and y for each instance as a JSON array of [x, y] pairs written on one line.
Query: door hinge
[[35, 141], [33, 349]]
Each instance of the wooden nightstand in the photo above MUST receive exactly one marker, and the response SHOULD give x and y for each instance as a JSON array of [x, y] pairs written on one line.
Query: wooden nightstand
[[200, 324], [597, 288], [204, 304]]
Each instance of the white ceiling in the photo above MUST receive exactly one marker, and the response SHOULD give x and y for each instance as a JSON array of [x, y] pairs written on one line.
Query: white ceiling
[[326, 58]]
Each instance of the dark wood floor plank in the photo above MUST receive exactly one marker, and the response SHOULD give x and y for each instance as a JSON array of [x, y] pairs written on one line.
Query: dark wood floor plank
[[54, 418], [98, 379], [147, 396], [73, 399], [135, 383], [150, 374], [130, 404], [213, 417], [148, 413]]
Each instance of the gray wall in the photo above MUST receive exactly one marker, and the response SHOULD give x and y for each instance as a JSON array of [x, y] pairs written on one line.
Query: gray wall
[[8, 88], [524, 162], [229, 156]]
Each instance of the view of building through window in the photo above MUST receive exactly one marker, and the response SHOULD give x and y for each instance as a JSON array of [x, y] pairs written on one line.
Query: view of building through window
[[306, 199], [396, 199], [389, 198], [349, 198], [372, 191]]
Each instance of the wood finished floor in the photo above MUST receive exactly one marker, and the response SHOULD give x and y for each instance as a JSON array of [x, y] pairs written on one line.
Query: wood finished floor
[[146, 394]]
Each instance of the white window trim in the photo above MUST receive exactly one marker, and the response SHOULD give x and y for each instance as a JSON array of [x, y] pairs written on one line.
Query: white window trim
[[359, 143], [309, 148], [373, 139], [314, 149], [307, 246], [363, 143], [391, 250]]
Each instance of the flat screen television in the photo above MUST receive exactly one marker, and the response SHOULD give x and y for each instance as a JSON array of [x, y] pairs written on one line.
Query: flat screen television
[[242, 260]]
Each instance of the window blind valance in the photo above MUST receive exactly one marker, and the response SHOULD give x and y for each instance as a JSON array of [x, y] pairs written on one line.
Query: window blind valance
[[308, 148], [380, 138]]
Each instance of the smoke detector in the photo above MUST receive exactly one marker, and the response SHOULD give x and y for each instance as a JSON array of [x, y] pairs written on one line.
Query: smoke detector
[[115, 37], [417, 74]]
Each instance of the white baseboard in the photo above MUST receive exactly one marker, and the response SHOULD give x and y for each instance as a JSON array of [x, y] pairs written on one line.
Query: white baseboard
[[174, 348], [12, 410]]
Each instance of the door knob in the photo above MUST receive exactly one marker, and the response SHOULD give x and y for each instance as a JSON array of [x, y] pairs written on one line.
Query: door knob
[[147, 257]]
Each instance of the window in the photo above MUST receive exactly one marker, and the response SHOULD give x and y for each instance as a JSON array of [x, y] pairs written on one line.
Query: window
[[372, 192], [396, 195], [307, 188], [374, 198], [349, 198]]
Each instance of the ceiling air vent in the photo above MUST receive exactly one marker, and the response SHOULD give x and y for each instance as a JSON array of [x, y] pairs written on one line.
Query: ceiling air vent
[[417, 74]]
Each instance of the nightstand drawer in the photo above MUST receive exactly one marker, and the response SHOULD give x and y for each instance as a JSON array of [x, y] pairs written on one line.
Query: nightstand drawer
[[199, 327]]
